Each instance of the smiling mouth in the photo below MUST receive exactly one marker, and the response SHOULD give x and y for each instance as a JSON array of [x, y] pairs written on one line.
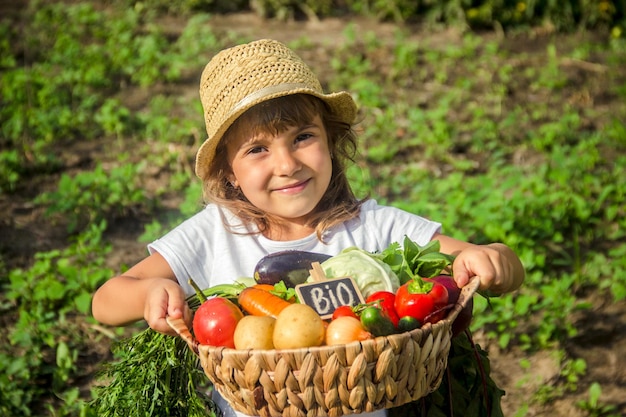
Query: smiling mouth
[[293, 187]]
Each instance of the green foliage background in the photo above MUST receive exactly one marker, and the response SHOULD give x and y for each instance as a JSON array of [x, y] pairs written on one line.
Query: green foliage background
[[498, 144]]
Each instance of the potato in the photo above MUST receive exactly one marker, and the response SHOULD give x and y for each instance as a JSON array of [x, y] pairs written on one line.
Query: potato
[[254, 332], [297, 326]]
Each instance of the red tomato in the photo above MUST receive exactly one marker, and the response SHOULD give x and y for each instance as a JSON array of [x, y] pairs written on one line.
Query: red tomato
[[386, 301], [344, 311], [214, 322], [411, 300]]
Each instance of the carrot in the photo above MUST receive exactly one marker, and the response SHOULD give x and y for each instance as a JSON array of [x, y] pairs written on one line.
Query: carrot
[[264, 287], [277, 291], [259, 302]]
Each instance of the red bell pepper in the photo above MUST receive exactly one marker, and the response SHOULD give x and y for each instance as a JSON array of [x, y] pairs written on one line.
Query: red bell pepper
[[420, 298]]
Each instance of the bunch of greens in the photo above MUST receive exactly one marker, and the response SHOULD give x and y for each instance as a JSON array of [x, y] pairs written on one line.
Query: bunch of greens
[[155, 375], [412, 261]]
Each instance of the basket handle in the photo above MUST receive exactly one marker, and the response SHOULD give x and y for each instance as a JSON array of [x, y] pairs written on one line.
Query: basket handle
[[466, 294], [180, 327]]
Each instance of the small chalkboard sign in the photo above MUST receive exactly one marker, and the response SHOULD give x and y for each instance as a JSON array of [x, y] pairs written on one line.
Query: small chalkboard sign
[[326, 294]]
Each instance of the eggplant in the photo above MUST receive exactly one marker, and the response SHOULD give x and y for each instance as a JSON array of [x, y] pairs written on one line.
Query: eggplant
[[290, 266]]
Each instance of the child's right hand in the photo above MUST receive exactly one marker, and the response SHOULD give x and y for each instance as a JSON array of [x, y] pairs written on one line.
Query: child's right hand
[[148, 290], [165, 298]]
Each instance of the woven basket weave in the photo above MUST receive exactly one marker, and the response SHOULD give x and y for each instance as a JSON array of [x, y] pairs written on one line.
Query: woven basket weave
[[334, 380]]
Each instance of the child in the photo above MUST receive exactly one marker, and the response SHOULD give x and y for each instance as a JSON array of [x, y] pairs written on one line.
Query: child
[[273, 171]]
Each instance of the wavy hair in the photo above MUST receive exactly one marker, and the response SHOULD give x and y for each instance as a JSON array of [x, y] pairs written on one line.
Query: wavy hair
[[338, 204]]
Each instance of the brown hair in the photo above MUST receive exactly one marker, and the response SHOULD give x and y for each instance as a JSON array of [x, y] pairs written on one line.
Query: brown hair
[[273, 116]]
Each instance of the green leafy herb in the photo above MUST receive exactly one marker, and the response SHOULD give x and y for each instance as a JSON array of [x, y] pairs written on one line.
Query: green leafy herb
[[155, 375], [281, 290], [412, 261]]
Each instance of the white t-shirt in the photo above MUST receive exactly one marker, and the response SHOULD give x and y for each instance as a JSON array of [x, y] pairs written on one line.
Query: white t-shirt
[[203, 249]]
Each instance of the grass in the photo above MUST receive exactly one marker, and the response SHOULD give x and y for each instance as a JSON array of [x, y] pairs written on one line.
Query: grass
[[499, 145]]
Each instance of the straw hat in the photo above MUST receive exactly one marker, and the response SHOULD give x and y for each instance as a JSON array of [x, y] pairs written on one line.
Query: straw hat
[[245, 75]]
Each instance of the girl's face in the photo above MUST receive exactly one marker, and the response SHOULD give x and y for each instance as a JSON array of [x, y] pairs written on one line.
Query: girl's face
[[284, 174]]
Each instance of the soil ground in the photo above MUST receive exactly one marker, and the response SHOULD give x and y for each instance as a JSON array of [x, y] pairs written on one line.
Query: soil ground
[[602, 330]]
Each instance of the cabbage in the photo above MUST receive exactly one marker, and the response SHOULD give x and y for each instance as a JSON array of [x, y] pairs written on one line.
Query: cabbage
[[368, 272]]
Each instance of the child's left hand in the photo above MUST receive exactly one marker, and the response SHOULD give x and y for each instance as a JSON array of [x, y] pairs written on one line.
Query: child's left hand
[[499, 269]]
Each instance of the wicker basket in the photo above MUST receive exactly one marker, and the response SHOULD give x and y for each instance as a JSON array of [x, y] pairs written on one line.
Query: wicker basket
[[335, 380]]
